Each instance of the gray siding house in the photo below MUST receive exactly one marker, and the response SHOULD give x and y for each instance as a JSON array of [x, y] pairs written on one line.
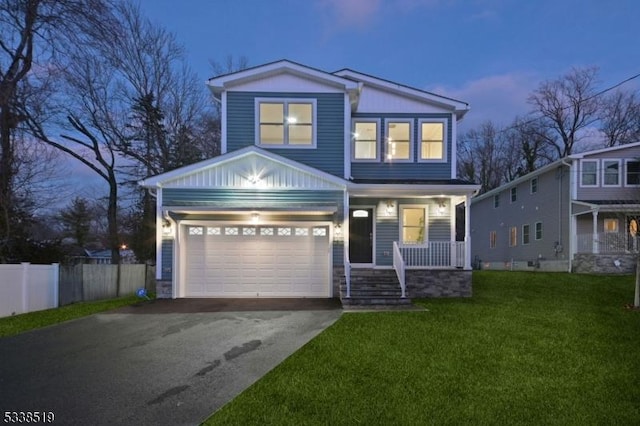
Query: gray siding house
[[580, 214], [329, 185]]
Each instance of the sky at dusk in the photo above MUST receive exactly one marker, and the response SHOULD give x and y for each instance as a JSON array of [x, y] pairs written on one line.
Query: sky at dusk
[[489, 53]]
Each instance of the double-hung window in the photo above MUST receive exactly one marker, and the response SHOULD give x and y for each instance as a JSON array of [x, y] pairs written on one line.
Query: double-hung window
[[413, 225], [589, 173], [286, 123], [399, 140], [632, 174], [611, 173], [432, 140], [365, 140], [525, 234]]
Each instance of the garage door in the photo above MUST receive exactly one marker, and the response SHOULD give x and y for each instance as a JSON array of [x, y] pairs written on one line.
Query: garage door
[[257, 261]]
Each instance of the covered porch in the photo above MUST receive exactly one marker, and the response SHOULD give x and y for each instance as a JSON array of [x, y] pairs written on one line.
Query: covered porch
[[605, 228]]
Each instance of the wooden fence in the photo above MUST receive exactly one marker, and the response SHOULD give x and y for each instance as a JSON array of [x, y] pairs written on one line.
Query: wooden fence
[[94, 282]]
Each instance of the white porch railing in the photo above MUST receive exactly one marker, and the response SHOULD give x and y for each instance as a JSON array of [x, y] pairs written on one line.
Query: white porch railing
[[399, 266], [606, 242], [433, 254]]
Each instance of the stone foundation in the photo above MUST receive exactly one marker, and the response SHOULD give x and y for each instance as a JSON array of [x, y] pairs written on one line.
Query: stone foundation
[[587, 263], [164, 289], [438, 283], [527, 265], [338, 279]]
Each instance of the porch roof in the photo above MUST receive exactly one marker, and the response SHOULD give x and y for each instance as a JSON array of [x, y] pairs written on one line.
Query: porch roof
[[613, 206], [411, 187]]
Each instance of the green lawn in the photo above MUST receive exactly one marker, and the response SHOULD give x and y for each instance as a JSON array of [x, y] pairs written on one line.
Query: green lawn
[[24, 322], [528, 348]]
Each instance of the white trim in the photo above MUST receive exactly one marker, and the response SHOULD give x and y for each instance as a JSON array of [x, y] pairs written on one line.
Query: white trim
[[385, 141], [531, 191], [445, 145], [454, 147], [603, 150], [352, 140], [159, 235], [626, 162], [285, 102], [223, 123], [604, 170], [596, 172], [404, 190]]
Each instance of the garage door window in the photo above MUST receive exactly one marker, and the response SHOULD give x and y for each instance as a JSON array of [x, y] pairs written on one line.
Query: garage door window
[[248, 231], [266, 231], [231, 231], [195, 230], [319, 232], [302, 232], [284, 231], [213, 230]]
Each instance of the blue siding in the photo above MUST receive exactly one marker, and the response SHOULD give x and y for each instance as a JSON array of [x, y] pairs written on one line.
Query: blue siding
[[328, 155], [386, 234], [398, 170], [167, 260]]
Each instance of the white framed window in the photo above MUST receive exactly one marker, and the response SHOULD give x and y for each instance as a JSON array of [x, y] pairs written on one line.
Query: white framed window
[[514, 194], [399, 140], [589, 173], [538, 230], [366, 140], [513, 236], [610, 172], [432, 138], [413, 225], [525, 234], [632, 173], [493, 238], [496, 201], [285, 123], [611, 225], [533, 185]]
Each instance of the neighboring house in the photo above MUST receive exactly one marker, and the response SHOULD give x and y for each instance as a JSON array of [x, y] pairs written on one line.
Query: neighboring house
[[580, 214], [328, 185]]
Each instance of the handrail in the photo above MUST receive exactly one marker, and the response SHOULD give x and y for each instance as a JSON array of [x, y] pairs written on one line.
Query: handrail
[[399, 266], [347, 276]]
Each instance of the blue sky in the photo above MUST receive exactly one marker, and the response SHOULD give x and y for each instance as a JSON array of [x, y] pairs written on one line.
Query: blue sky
[[490, 53]]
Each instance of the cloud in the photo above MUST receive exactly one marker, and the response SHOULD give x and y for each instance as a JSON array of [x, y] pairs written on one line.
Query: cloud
[[499, 98]]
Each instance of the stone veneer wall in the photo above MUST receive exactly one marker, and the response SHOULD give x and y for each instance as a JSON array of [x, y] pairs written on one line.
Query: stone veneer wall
[[438, 283], [164, 289], [587, 263], [338, 279]]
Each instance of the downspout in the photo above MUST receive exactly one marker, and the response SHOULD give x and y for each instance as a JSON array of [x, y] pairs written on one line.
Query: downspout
[[571, 230]]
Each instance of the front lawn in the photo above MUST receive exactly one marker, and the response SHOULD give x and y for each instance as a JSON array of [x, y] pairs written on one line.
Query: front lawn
[[528, 348], [24, 322]]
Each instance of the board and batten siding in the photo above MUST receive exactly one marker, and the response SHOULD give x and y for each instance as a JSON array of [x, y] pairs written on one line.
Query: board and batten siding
[[403, 170], [328, 155], [167, 260]]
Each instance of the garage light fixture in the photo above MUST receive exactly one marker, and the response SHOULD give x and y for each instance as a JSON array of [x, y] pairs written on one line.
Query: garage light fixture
[[167, 229], [255, 218], [337, 231]]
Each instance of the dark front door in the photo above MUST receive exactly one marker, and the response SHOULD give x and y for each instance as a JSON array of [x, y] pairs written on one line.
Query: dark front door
[[361, 235]]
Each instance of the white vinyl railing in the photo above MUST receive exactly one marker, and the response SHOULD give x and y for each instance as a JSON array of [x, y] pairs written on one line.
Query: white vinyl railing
[[399, 266], [433, 254], [606, 242]]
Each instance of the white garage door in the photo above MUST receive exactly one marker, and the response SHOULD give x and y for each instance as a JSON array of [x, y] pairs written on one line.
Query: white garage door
[[257, 261]]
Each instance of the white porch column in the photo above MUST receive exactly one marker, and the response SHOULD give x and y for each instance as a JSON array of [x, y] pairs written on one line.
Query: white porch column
[[595, 248], [467, 232]]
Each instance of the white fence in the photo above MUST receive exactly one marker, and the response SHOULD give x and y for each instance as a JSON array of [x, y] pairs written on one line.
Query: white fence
[[606, 242], [433, 254], [27, 288]]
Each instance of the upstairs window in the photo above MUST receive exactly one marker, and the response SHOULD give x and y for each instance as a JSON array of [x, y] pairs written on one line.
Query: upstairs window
[[432, 140], [365, 140], [399, 141], [611, 173], [496, 201], [534, 185], [589, 173], [285, 123], [514, 194], [632, 174]]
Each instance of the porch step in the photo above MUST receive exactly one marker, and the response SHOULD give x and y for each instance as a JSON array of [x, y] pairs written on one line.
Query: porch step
[[373, 288]]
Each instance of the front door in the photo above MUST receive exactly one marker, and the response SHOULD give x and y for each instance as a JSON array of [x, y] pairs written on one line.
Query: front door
[[361, 235]]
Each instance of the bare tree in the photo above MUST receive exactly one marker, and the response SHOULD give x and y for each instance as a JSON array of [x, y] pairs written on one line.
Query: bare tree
[[566, 106], [480, 156], [620, 118]]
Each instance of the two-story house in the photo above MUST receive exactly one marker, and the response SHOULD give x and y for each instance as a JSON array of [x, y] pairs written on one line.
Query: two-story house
[[326, 181], [579, 213]]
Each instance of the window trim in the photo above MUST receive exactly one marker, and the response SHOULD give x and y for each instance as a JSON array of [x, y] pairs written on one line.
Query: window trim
[[582, 184], [513, 194], [535, 231], [604, 172], [425, 210], [411, 123], [445, 134], [353, 140], [286, 102], [626, 176], [527, 234], [531, 185]]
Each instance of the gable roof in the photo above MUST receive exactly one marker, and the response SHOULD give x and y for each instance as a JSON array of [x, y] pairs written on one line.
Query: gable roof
[[603, 150], [460, 107], [250, 167]]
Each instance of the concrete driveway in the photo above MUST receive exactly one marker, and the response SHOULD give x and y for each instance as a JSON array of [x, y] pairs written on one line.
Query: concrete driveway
[[162, 363]]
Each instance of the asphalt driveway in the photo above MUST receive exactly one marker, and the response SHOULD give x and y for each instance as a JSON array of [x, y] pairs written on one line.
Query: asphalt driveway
[[162, 363]]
